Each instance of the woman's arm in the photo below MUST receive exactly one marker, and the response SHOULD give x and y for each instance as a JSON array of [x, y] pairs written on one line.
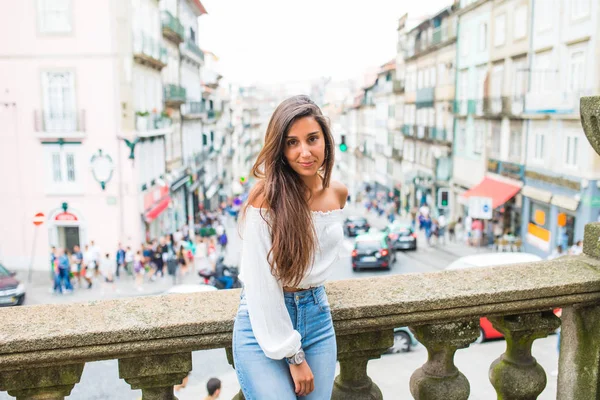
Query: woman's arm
[[269, 317]]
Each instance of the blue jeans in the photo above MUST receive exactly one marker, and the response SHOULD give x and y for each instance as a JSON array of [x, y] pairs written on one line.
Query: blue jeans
[[262, 378]]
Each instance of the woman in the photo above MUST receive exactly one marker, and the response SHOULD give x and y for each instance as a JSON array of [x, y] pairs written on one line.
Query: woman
[[284, 344]]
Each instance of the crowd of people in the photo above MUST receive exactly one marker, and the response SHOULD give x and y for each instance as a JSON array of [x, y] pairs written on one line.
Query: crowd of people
[[177, 253]]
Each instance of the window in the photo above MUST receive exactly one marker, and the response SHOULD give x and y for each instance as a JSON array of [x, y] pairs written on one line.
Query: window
[[464, 41], [544, 75], [519, 77], [540, 215], [54, 16], [538, 146], [496, 139], [516, 134], [543, 14], [576, 74], [482, 36], [58, 90], [520, 22], [580, 9], [500, 30], [571, 151], [479, 136], [204, 139], [391, 110], [461, 133], [62, 168], [433, 77]]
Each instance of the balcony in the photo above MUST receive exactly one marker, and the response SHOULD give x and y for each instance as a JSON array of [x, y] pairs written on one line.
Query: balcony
[[408, 130], [425, 97], [192, 48], [59, 124], [152, 124], [192, 109], [439, 134], [398, 86], [175, 95], [150, 52], [172, 28]]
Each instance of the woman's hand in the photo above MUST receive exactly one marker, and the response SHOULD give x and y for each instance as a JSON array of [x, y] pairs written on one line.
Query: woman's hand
[[303, 378]]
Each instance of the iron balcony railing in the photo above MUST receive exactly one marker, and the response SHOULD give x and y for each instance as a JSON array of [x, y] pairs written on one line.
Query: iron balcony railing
[[59, 121], [193, 47], [174, 93], [150, 48], [172, 24]]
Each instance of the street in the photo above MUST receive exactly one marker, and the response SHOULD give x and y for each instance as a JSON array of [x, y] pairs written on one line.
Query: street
[[392, 372]]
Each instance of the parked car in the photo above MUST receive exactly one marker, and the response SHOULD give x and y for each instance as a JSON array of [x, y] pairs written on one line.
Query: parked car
[[372, 250], [402, 236], [354, 226], [12, 292], [487, 330], [404, 341]]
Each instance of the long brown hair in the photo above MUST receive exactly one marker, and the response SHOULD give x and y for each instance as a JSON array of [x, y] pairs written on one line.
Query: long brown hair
[[284, 193]]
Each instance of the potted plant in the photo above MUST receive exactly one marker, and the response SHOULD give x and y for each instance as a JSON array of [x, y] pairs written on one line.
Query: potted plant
[[141, 120]]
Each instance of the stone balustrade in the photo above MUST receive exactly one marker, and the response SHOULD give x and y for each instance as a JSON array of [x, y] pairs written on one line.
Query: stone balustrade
[[43, 348]]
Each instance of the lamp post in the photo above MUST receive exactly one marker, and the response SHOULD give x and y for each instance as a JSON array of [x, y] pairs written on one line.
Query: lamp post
[[102, 168]]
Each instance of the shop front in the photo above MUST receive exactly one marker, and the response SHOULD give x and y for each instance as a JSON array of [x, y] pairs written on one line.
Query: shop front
[[557, 210], [66, 228], [179, 199], [157, 221]]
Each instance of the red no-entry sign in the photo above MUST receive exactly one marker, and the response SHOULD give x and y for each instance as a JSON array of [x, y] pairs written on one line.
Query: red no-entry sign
[[39, 219]]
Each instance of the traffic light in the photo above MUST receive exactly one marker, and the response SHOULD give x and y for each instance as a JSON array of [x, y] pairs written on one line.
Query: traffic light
[[343, 145], [443, 200], [242, 179]]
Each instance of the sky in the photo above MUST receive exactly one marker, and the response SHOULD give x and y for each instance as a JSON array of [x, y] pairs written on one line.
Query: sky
[[275, 41]]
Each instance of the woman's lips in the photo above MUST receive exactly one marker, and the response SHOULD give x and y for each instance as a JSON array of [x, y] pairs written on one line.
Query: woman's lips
[[306, 165]]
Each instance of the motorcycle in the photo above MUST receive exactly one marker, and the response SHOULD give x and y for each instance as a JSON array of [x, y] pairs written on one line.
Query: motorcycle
[[224, 277]]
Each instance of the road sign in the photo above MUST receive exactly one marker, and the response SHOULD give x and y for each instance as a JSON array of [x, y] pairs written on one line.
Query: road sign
[[480, 207], [39, 219]]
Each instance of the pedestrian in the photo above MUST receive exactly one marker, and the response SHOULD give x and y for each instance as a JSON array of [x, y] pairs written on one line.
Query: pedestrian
[[95, 255], [427, 225], [129, 259], [181, 259], [201, 256], [213, 387], [558, 252], [157, 257], [477, 232], [452, 230], [138, 270], [284, 263], [108, 268], [442, 225], [63, 271], [53, 267], [120, 259], [223, 242], [77, 264], [576, 249]]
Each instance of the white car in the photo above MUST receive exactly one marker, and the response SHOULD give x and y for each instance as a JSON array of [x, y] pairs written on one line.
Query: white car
[[191, 289], [491, 259]]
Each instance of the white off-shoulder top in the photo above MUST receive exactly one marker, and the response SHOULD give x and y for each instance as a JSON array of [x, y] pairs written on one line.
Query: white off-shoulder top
[[271, 323]]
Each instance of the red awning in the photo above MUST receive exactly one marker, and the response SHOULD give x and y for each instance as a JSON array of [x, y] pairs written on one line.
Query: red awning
[[500, 192], [158, 209]]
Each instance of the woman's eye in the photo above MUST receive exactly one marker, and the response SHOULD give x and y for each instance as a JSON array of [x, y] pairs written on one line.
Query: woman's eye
[[291, 142], [313, 139]]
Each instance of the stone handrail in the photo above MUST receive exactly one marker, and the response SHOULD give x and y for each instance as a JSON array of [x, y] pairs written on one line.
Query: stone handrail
[[51, 343], [44, 348]]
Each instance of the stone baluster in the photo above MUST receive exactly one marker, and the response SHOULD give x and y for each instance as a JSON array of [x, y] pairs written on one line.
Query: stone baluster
[[41, 383], [354, 353], [516, 375], [229, 353], [579, 360], [438, 378], [156, 375]]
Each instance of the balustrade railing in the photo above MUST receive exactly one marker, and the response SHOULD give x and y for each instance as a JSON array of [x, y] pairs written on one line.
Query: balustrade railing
[[43, 348]]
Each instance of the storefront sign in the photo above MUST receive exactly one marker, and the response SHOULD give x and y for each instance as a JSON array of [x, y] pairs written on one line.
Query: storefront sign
[[554, 180], [562, 219], [538, 237], [153, 195], [507, 169], [66, 216]]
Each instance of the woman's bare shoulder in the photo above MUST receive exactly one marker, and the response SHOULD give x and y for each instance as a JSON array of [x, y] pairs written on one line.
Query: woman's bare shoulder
[[341, 192], [256, 198]]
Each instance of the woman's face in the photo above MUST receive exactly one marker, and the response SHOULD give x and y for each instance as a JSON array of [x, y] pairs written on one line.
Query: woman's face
[[304, 148]]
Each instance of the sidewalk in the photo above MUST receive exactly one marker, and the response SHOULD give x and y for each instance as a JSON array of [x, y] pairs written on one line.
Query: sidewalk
[[39, 291]]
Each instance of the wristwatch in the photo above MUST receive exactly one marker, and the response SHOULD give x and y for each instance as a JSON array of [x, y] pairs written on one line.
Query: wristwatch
[[297, 358]]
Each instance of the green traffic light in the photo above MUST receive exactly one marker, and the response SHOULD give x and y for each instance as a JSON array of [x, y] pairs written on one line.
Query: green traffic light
[[343, 147]]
